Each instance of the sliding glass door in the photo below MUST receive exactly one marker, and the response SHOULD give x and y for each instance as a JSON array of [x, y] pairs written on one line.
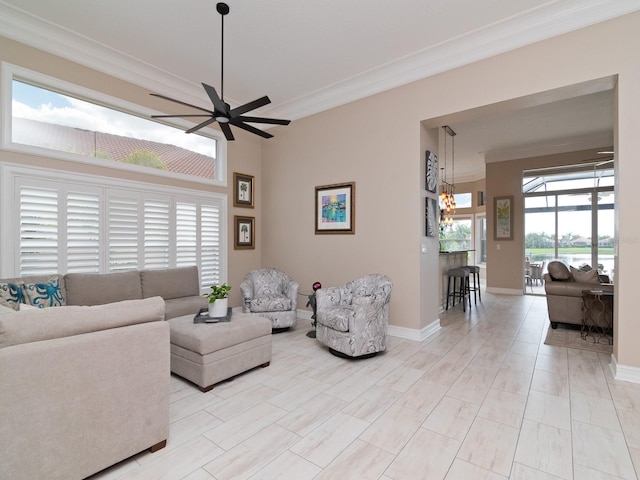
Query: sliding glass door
[[569, 216]]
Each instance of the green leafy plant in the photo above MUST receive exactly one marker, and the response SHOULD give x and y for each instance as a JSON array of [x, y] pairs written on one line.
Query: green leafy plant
[[218, 292]]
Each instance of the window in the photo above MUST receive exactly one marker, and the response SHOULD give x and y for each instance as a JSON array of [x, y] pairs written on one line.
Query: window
[[57, 119], [457, 236], [64, 223]]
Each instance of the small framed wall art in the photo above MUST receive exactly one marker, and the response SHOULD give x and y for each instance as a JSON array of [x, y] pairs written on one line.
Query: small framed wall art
[[242, 190], [431, 171], [336, 208], [243, 233], [431, 215], [503, 218]]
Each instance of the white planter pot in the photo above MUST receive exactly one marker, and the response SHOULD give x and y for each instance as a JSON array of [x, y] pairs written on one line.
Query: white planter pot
[[218, 308]]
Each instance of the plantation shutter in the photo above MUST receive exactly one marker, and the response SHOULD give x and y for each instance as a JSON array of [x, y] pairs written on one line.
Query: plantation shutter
[[38, 230], [66, 223], [83, 232], [156, 234], [123, 233], [210, 251], [186, 234]]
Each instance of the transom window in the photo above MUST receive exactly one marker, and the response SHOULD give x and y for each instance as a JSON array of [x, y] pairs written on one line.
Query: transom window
[[53, 118]]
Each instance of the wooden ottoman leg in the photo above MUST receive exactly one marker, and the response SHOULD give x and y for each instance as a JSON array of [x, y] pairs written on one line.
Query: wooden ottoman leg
[[206, 389], [264, 365]]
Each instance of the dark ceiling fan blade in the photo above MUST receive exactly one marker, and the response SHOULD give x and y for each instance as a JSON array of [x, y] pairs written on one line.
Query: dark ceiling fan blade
[[247, 107], [218, 103], [201, 125], [226, 129], [182, 116], [251, 129], [272, 121], [181, 103]]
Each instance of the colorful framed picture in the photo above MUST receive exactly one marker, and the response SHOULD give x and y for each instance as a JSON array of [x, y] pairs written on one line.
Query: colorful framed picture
[[335, 208], [242, 190], [431, 171], [243, 233], [503, 218]]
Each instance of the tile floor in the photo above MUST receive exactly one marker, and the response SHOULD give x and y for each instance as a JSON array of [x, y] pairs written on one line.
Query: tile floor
[[484, 398]]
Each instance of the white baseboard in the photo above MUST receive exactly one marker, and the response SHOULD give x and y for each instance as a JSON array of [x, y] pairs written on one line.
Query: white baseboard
[[412, 333], [505, 291], [624, 372], [400, 332]]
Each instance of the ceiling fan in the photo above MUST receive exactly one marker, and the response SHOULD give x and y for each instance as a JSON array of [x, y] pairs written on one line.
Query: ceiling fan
[[222, 111]]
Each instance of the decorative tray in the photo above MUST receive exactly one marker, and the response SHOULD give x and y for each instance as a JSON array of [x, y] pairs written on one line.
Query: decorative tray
[[203, 317]]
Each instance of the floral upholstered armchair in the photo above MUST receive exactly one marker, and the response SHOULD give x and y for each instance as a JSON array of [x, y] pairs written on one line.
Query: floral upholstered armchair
[[270, 293], [352, 319]]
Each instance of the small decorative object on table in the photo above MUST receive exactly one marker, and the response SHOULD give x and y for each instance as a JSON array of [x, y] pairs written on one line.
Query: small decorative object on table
[[218, 300]]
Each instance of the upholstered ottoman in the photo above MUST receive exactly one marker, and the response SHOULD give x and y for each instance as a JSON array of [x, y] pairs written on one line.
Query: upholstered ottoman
[[207, 353]]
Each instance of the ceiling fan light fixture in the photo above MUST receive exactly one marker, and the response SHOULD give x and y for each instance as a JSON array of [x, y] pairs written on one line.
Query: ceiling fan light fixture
[[222, 111]]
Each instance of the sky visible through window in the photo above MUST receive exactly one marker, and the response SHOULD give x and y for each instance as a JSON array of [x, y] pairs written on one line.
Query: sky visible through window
[[35, 103]]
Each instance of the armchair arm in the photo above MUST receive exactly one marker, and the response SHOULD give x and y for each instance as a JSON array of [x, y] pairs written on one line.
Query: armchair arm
[[369, 317], [291, 291], [246, 290]]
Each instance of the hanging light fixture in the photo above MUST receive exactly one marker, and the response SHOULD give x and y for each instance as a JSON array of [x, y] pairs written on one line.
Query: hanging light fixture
[[448, 189]]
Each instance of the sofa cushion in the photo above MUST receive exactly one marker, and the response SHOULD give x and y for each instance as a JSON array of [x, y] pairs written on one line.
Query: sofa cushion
[[590, 276], [170, 283], [270, 303], [47, 323], [558, 271], [48, 292], [101, 288]]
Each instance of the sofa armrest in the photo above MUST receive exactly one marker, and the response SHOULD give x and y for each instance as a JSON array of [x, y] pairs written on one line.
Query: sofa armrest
[[327, 297], [73, 406]]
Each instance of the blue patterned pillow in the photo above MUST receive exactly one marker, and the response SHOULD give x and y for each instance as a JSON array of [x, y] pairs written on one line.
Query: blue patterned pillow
[[45, 294], [11, 294]]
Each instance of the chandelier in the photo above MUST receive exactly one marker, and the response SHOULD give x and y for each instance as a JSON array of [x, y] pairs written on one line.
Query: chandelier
[[448, 188]]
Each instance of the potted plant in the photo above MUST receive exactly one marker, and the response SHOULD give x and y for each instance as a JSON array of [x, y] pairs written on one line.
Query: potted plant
[[218, 300]]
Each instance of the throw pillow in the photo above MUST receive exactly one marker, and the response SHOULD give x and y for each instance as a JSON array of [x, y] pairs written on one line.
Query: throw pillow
[[45, 294], [590, 276], [11, 294], [558, 271]]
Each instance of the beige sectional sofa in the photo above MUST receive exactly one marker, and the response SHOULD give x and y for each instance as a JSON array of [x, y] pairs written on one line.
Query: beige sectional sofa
[[564, 287], [82, 387], [84, 383]]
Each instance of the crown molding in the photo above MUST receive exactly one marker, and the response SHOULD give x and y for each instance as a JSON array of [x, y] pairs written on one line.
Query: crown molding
[[537, 24]]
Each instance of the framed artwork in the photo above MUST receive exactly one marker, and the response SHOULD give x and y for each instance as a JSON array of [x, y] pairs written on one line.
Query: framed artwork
[[242, 190], [503, 218], [336, 208], [431, 213], [431, 171], [243, 233]]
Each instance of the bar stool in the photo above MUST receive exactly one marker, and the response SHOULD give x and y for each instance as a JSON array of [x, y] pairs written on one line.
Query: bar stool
[[463, 287], [474, 271]]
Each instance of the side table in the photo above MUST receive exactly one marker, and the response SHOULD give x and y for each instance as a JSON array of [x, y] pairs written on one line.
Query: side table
[[597, 315]]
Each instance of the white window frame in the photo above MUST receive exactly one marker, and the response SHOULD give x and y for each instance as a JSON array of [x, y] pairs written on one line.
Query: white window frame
[[10, 72], [13, 175]]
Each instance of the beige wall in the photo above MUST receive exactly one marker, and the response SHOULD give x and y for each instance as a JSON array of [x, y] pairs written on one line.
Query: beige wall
[[376, 142]]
